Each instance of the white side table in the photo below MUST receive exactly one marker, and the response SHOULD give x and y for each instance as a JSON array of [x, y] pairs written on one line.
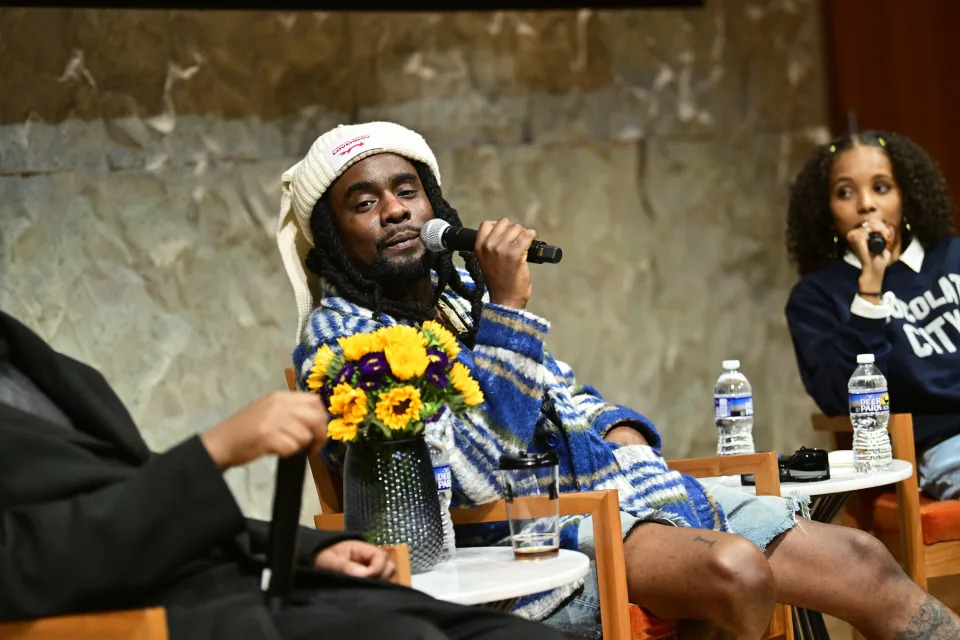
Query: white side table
[[828, 495], [491, 576], [842, 480]]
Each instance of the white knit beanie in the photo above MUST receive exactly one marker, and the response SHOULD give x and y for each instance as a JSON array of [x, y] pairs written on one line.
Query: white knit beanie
[[305, 182]]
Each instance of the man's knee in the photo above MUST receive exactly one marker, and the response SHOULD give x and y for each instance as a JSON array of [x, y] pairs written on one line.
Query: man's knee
[[741, 573], [870, 554]]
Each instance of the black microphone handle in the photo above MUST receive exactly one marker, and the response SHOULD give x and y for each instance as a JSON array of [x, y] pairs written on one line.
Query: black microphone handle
[[876, 243], [282, 542], [464, 239]]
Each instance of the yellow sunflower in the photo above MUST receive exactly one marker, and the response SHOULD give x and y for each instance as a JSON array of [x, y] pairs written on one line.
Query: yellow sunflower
[[360, 344], [399, 406], [447, 342], [321, 362], [405, 349], [400, 333], [462, 382], [349, 403], [340, 430]]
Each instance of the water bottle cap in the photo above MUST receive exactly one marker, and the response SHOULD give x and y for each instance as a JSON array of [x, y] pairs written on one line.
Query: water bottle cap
[[730, 365], [865, 358]]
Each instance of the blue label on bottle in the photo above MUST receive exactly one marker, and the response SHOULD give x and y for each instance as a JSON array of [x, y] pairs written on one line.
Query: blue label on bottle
[[741, 407], [444, 479], [870, 402]]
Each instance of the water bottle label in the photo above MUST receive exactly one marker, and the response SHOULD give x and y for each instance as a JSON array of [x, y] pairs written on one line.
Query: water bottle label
[[741, 407], [444, 479], [869, 402]]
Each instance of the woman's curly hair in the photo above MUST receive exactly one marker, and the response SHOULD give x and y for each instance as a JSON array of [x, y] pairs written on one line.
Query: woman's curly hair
[[924, 198]]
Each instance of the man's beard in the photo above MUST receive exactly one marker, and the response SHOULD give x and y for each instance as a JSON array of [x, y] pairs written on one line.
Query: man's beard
[[399, 274]]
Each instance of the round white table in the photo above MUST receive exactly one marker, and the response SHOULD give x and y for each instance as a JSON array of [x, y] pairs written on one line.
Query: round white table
[[842, 480], [491, 576], [828, 496]]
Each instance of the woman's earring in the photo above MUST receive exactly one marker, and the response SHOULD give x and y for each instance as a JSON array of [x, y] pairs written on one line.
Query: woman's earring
[[906, 223], [836, 245]]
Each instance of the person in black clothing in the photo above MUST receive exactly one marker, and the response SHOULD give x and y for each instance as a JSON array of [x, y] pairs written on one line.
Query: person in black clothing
[[901, 305], [91, 520]]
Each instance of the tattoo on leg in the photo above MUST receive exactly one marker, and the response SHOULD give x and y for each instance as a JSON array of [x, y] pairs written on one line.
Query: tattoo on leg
[[932, 622], [709, 543]]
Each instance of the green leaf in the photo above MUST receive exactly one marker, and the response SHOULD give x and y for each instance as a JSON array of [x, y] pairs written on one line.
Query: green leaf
[[336, 364]]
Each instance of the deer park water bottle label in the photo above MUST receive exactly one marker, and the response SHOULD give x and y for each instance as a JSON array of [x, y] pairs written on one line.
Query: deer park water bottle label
[[869, 402], [444, 479], [741, 407]]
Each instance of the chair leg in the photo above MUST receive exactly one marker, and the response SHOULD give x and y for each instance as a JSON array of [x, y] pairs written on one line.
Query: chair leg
[[908, 499]]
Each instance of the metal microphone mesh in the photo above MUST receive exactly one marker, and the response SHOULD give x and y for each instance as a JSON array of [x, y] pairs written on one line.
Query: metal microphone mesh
[[431, 234]]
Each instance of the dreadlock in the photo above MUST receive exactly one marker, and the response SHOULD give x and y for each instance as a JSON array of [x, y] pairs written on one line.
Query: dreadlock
[[329, 260], [923, 192]]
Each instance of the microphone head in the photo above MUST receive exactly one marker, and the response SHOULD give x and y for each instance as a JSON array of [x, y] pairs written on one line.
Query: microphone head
[[876, 243], [432, 234]]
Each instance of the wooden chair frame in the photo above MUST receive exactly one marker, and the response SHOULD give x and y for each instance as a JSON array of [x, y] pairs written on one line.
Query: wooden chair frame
[[921, 561], [135, 624], [618, 618]]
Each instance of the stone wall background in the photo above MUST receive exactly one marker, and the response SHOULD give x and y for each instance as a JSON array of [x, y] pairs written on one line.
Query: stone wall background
[[140, 155]]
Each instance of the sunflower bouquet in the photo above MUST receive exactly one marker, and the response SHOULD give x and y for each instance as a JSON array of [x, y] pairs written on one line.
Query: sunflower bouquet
[[387, 384]]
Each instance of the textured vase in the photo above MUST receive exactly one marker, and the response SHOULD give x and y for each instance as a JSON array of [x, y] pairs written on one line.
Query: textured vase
[[390, 495]]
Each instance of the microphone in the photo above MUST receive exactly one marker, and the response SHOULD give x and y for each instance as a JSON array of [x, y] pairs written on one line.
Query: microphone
[[875, 243], [438, 235]]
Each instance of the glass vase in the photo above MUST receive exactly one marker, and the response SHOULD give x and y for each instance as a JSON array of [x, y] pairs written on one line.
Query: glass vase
[[390, 495]]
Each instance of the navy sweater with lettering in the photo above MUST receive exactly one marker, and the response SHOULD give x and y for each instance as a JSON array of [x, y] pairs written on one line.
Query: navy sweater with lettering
[[916, 347]]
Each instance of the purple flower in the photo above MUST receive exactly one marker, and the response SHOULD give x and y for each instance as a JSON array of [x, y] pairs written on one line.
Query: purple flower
[[373, 365], [325, 392], [367, 385], [437, 375], [440, 357], [346, 374]]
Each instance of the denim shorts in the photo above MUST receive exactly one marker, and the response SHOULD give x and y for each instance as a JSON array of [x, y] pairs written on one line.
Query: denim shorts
[[939, 470], [758, 518]]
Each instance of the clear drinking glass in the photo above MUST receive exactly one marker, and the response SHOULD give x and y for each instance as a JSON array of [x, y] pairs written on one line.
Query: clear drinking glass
[[530, 487]]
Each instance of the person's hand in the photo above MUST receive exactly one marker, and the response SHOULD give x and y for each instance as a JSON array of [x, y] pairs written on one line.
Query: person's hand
[[625, 436], [873, 266], [356, 558], [280, 424], [501, 251]]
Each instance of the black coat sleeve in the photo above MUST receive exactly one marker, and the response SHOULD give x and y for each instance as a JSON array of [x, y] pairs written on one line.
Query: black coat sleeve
[[78, 553]]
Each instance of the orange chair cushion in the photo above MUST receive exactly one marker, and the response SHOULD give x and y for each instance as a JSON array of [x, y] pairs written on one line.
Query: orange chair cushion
[[646, 626], [939, 519]]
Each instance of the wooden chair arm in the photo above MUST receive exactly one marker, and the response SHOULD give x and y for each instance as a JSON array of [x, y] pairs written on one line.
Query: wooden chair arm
[[762, 465], [834, 424], [569, 504], [400, 555], [135, 624]]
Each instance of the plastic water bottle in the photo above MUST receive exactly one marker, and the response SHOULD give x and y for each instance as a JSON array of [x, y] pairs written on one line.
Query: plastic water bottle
[[441, 471], [869, 414], [733, 410]]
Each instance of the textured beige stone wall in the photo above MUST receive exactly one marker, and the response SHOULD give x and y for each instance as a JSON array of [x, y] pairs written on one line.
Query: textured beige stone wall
[[140, 154]]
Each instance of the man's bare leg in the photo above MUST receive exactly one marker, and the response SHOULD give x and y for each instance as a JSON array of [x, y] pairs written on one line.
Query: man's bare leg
[[725, 580], [720, 578], [849, 574]]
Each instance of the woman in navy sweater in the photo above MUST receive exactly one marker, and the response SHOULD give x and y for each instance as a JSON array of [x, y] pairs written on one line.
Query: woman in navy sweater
[[902, 305]]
